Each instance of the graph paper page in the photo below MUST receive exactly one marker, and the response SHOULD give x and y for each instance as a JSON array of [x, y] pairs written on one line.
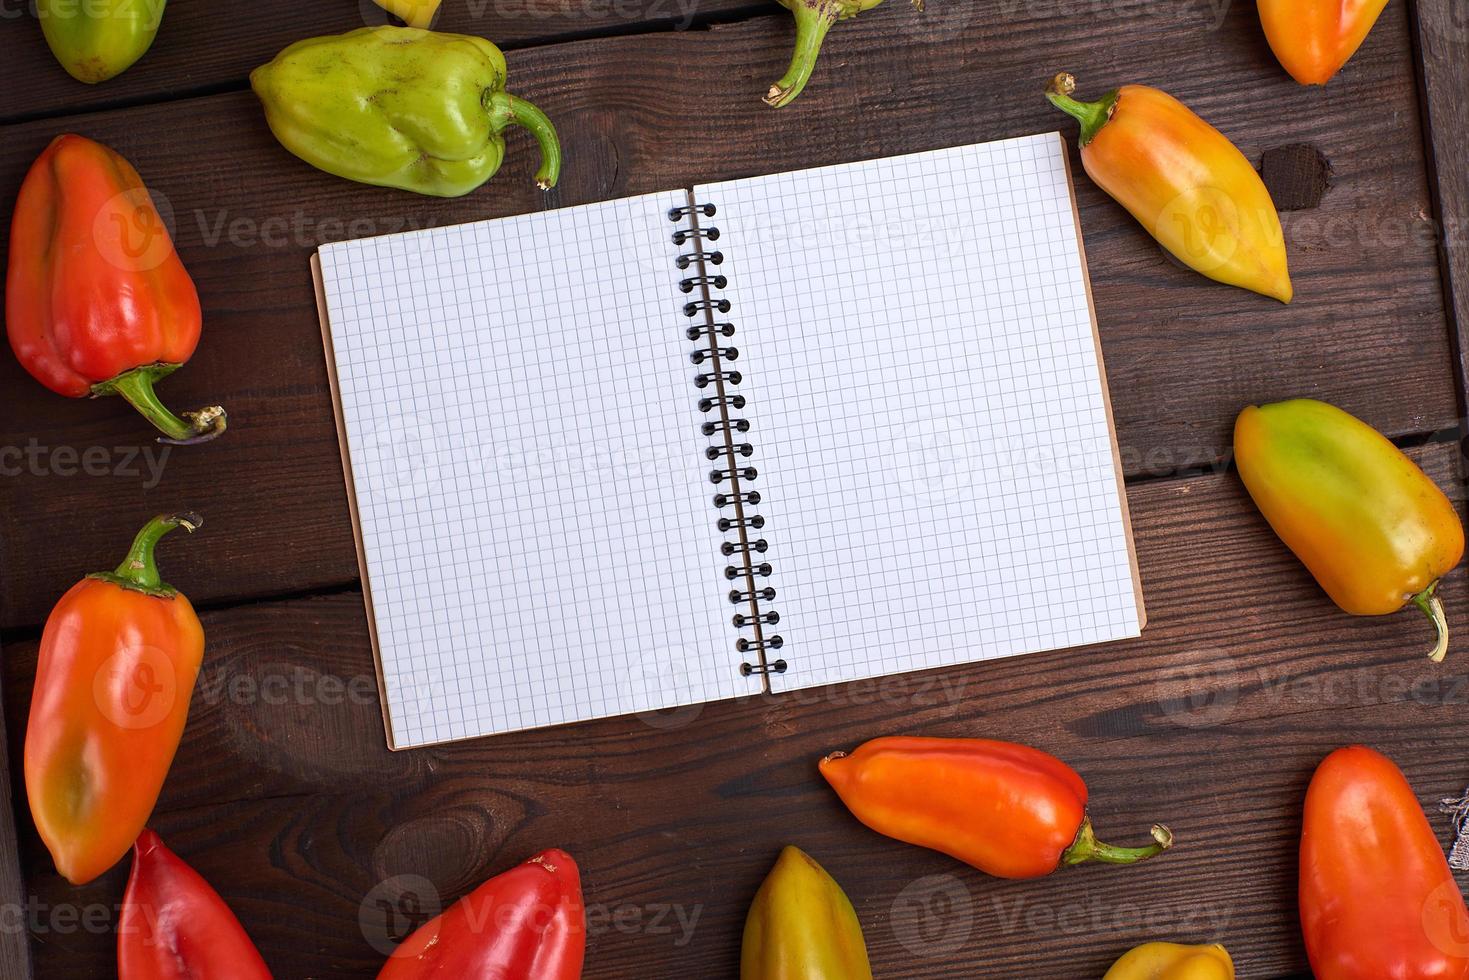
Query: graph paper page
[[530, 479], [937, 468]]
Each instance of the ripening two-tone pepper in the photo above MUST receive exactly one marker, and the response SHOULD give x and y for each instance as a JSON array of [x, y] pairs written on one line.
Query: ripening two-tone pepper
[[526, 924], [1314, 39], [119, 657], [95, 40], [175, 927], [801, 926], [96, 299], [1377, 897], [1188, 185], [1009, 810], [1172, 961], [1370, 525], [400, 107]]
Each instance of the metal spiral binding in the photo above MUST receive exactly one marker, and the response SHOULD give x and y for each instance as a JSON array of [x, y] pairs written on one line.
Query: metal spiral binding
[[713, 356]]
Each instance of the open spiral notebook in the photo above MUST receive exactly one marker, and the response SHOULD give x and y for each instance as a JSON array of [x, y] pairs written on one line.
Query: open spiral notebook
[[750, 436]]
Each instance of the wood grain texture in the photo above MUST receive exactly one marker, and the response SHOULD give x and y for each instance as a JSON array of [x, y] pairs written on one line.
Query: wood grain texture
[[15, 953], [213, 45], [284, 796], [656, 111], [1443, 46]]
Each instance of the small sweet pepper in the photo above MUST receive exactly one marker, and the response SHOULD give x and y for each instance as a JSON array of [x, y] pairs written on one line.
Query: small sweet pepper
[[526, 923], [400, 107], [801, 926], [1171, 961], [1377, 897], [813, 19], [97, 39], [175, 927], [1314, 38], [96, 299], [1009, 810], [1188, 185], [1364, 519], [119, 657]]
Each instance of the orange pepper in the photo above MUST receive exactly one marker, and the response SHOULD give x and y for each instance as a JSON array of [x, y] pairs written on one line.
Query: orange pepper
[[1364, 519], [1377, 897], [1188, 185], [1009, 810], [1314, 38], [119, 657]]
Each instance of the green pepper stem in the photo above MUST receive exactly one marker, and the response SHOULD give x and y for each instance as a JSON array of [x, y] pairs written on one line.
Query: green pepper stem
[[139, 570], [1432, 607], [136, 386], [1086, 847], [812, 23], [1092, 115], [533, 119]]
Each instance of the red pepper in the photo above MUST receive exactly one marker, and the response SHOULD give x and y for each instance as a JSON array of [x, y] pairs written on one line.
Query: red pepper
[[96, 299], [1377, 898], [1009, 810], [525, 924], [119, 658], [175, 927]]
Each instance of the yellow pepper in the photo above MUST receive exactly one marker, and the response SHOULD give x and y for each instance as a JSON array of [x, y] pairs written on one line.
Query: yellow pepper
[[1188, 185], [1364, 519], [1170, 961], [414, 13], [802, 927]]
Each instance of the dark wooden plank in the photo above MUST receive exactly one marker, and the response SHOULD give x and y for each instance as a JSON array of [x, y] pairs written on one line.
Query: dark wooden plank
[[15, 952], [212, 45], [1443, 48], [285, 797], [655, 111]]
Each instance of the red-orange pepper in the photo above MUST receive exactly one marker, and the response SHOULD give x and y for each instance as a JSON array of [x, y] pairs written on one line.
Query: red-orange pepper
[[96, 299], [525, 924], [1009, 810], [175, 927], [1377, 898], [119, 657], [1314, 38]]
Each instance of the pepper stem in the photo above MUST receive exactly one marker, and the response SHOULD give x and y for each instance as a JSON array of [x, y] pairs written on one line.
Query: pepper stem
[[139, 570], [1086, 847], [525, 114], [1092, 115], [812, 23], [136, 386], [1432, 607]]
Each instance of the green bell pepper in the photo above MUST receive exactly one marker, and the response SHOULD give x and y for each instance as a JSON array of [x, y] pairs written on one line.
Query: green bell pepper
[[400, 107], [97, 39]]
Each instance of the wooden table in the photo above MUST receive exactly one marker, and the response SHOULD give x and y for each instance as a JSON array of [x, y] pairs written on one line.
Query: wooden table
[[328, 846]]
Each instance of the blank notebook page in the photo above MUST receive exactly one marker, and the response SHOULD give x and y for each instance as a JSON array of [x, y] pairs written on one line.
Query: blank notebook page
[[531, 489], [937, 467]]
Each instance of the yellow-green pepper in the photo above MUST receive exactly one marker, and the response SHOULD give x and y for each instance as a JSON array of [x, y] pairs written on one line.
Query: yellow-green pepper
[[802, 927], [1170, 961], [400, 107], [1360, 515], [97, 39]]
